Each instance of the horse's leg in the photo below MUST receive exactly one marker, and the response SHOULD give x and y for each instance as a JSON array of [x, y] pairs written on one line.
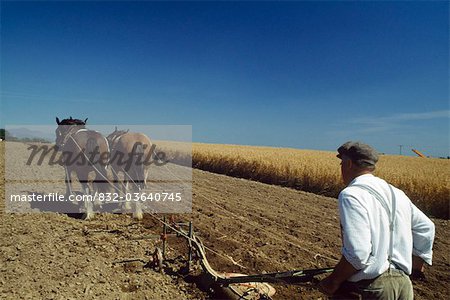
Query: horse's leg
[[102, 183], [89, 207], [117, 188], [139, 176], [137, 213], [127, 206], [137, 207], [68, 181], [145, 178]]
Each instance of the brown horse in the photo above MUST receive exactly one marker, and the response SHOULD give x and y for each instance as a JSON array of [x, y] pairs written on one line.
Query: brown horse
[[130, 153], [83, 151]]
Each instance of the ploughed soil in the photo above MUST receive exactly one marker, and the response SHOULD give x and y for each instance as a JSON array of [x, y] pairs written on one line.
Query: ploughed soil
[[251, 227]]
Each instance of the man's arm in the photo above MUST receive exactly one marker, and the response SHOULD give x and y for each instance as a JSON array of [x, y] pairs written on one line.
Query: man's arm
[[341, 273], [356, 238], [423, 232]]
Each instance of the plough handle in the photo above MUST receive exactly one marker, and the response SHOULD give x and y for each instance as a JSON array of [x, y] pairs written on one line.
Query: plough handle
[[290, 277]]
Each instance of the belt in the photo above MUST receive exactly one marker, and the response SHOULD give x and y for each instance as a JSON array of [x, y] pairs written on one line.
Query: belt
[[385, 273]]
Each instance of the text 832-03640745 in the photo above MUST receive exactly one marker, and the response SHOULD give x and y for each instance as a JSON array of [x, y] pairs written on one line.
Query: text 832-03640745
[[141, 196]]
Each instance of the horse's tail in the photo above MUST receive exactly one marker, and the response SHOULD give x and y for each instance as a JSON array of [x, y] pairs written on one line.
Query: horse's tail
[[96, 157], [138, 173]]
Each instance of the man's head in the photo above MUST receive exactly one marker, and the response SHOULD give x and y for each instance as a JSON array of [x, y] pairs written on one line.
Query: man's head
[[356, 159]]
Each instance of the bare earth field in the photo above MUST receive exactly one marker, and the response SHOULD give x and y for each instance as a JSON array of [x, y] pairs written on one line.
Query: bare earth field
[[262, 228]]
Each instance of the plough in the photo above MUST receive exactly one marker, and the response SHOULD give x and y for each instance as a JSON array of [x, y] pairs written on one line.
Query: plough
[[238, 285]]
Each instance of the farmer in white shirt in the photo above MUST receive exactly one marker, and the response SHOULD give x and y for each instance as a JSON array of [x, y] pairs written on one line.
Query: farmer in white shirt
[[376, 260]]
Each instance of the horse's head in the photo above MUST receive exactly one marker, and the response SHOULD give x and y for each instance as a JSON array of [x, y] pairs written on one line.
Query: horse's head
[[116, 133], [65, 127]]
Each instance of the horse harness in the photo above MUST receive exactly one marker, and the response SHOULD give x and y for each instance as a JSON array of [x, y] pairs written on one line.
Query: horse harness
[[71, 132], [115, 139]]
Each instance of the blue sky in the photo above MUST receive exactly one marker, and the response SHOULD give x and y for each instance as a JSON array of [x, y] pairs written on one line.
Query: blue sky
[[289, 74]]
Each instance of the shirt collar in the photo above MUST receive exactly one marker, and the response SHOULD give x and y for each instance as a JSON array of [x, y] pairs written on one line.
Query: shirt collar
[[361, 177]]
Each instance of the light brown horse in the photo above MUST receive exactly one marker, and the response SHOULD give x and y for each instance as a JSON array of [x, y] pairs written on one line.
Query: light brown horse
[[130, 155], [84, 151]]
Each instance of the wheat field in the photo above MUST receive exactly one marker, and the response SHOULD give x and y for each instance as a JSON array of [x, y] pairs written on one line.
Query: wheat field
[[425, 180]]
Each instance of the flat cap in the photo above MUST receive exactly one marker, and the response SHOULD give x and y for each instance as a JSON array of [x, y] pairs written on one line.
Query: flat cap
[[360, 153]]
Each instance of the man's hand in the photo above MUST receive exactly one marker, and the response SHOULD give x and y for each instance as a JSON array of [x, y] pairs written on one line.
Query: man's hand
[[328, 286], [417, 275], [341, 273], [418, 268], [418, 264]]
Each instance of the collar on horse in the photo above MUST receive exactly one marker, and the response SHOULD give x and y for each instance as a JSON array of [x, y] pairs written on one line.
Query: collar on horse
[[72, 131]]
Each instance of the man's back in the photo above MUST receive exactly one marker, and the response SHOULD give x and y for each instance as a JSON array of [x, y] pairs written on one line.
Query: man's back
[[365, 209]]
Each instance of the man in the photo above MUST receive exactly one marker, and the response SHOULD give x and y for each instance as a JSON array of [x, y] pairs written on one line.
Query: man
[[376, 260]]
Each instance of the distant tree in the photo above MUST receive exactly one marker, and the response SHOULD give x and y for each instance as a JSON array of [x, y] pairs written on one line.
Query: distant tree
[[5, 135]]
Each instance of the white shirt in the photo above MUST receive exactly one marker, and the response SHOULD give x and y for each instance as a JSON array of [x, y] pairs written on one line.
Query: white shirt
[[365, 229]]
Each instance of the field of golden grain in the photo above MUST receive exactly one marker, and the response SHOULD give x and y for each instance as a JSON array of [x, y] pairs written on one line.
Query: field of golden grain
[[425, 180]]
